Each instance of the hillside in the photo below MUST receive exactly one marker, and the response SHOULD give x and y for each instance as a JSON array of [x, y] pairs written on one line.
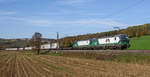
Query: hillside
[[132, 31], [14, 43], [141, 43]]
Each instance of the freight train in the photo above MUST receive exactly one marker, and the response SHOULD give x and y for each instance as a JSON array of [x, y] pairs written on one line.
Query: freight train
[[120, 42]]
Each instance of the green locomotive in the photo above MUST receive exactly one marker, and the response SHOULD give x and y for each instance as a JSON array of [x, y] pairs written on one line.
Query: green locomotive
[[120, 41]]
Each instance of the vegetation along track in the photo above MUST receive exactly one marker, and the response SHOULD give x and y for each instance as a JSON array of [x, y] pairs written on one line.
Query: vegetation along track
[[18, 64], [107, 51]]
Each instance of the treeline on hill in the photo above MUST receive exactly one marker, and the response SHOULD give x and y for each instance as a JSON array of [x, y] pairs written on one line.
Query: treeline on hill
[[13, 43], [134, 31], [20, 43]]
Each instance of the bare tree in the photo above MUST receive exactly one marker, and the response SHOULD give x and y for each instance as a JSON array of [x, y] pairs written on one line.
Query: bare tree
[[36, 42]]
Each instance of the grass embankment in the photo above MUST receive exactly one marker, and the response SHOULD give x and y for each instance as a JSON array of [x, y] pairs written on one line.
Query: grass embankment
[[133, 58], [126, 58], [141, 43]]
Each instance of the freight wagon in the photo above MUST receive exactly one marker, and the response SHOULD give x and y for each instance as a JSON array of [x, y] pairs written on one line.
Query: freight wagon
[[49, 46], [43, 47]]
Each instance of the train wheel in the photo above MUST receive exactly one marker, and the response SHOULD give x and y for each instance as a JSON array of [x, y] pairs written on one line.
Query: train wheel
[[104, 48], [121, 48]]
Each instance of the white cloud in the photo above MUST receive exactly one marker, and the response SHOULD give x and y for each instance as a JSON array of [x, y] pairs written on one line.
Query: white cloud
[[67, 12], [94, 22], [73, 2], [98, 22], [40, 22], [7, 12], [81, 22]]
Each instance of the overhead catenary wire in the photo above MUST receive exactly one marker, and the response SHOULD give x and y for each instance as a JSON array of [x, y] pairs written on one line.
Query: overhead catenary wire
[[124, 9]]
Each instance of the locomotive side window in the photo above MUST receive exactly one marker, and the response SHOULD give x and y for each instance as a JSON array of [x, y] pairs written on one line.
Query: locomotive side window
[[115, 38], [107, 40]]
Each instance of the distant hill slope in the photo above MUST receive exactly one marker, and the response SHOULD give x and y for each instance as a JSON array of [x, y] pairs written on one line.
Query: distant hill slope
[[14, 43], [4, 43], [141, 43]]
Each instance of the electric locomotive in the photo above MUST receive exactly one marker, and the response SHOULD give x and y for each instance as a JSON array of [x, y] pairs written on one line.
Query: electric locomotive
[[120, 41]]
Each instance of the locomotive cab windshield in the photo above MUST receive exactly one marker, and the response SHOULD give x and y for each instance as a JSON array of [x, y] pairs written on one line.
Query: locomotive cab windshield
[[124, 40]]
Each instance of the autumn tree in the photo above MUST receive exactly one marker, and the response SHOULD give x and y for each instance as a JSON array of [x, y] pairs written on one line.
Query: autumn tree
[[138, 33], [145, 29], [36, 42]]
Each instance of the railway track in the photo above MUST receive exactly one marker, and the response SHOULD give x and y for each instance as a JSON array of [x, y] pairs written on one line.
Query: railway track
[[107, 51]]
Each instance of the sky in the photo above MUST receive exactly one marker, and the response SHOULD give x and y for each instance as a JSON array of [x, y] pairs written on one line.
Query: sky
[[22, 18]]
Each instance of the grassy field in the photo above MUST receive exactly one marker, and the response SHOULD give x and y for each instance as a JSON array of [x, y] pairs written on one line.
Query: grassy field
[[141, 43], [19, 64], [135, 58]]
